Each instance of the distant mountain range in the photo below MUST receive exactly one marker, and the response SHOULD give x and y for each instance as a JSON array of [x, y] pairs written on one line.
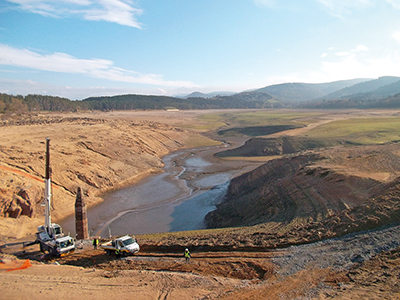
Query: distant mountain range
[[360, 93], [373, 88], [207, 95], [297, 92]]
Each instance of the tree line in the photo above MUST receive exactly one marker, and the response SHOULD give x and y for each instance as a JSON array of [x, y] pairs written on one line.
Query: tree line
[[354, 103], [10, 104], [32, 103]]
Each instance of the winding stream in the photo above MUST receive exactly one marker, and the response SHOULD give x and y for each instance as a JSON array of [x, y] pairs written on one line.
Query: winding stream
[[178, 199]]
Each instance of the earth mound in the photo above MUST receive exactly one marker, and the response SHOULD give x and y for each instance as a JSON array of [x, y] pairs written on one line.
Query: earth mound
[[320, 195], [276, 146], [286, 189], [256, 130]]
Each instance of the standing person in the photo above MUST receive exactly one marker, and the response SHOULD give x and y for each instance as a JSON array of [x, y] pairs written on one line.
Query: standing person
[[95, 243], [187, 255]]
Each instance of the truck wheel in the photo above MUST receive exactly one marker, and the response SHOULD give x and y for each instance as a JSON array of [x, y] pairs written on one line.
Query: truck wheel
[[108, 252]]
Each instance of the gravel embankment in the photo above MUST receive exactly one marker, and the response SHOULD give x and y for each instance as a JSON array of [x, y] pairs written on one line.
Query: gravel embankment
[[339, 253]]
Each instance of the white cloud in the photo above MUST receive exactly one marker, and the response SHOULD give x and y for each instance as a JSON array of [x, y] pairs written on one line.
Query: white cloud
[[117, 11], [114, 11], [341, 8], [64, 63], [343, 53], [396, 36], [265, 2], [360, 48], [354, 66], [356, 63], [25, 87], [78, 2], [394, 3]]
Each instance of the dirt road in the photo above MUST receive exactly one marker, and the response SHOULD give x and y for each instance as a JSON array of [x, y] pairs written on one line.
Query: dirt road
[[331, 268]]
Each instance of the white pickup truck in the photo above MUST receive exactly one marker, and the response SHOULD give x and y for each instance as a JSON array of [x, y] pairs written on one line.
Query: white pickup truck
[[124, 245]]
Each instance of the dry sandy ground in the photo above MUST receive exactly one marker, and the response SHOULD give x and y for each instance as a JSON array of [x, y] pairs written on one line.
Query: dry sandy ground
[[295, 273], [67, 282], [209, 276]]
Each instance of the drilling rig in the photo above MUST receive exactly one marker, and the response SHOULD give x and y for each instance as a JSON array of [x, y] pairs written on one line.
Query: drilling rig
[[50, 236]]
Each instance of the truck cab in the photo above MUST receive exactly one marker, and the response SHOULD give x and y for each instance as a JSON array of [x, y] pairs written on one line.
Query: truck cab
[[123, 245], [55, 232], [64, 245], [128, 243]]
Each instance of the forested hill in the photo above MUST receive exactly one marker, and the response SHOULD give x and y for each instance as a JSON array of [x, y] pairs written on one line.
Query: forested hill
[[355, 102], [31, 103], [129, 102], [18, 104], [383, 92]]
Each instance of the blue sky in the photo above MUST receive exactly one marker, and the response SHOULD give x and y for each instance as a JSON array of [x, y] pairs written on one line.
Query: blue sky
[[82, 48]]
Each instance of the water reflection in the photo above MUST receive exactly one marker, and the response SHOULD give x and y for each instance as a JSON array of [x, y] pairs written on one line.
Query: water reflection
[[190, 214], [161, 203]]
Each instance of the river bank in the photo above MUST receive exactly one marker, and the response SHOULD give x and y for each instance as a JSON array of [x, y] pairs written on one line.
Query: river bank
[[191, 183], [97, 152]]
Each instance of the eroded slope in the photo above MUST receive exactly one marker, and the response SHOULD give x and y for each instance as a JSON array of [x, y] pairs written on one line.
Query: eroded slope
[[308, 189], [96, 154]]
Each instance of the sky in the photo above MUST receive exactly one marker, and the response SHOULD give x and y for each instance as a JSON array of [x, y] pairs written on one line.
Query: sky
[[83, 48]]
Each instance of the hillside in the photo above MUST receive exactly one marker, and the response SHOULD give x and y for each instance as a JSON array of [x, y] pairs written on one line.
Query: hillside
[[305, 187], [376, 97], [344, 165], [207, 95], [297, 92], [381, 87], [94, 153]]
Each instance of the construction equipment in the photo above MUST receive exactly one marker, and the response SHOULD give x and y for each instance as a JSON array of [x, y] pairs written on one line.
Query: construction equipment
[[50, 236], [121, 246]]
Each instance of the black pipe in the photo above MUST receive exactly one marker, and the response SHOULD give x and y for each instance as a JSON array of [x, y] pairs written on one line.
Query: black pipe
[[47, 158]]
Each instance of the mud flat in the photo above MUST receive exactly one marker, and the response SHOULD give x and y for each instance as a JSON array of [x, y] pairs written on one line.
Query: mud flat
[[98, 152], [192, 182]]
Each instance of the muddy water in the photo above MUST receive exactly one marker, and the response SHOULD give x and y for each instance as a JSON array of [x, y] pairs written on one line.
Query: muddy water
[[192, 184]]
